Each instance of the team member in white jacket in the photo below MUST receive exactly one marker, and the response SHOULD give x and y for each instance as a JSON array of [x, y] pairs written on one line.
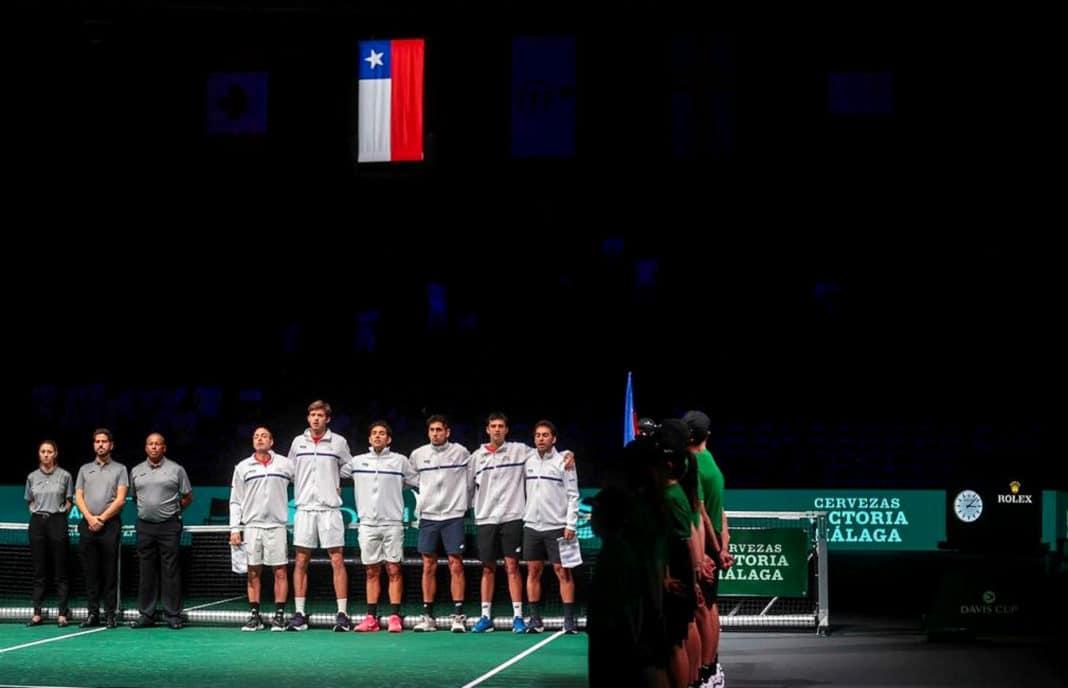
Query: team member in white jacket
[[378, 478], [500, 501], [259, 506], [317, 457], [552, 513], [446, 481]]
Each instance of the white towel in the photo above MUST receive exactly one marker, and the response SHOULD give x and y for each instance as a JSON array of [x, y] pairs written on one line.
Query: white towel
[[239, 558], [570, 554]]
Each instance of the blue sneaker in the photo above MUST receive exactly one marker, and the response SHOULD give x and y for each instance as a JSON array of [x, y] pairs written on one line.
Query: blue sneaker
[[518, 626], [570, 627], [297, 622], [483, 625]]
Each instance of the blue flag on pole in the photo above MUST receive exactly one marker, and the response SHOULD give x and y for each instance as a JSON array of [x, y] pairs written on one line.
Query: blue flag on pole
[[630, 417], [237, 103]]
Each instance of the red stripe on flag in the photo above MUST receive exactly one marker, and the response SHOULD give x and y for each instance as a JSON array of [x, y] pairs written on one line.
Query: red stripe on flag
[[406, 108]]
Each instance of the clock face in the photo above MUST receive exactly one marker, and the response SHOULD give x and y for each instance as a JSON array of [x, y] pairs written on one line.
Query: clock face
[[968, 506]]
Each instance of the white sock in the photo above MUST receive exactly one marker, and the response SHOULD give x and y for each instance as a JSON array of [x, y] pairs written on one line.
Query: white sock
[[486, 609], [517, 609], [299, 601], [343, 605]]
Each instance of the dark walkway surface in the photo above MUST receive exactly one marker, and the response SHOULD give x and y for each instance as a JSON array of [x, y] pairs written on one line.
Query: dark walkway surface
[[864, 650]]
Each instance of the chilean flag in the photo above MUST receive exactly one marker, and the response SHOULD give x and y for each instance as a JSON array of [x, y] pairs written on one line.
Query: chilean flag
[[391, 100]]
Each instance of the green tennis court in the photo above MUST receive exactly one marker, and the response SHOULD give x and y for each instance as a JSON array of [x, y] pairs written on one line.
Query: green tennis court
[[206, 656]]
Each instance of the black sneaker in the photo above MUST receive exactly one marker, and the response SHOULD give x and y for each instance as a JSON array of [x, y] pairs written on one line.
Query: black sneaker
[[109, 620], [570, 627], [535, 625], [91, 621], [143, 622], [342, 624], [254, 622], [278, 623]]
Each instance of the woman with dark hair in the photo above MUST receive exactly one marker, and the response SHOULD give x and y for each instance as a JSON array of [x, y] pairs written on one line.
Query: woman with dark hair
[[48, 494]]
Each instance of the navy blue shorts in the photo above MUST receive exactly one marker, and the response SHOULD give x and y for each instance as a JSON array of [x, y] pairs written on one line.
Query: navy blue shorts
[[449, 532]]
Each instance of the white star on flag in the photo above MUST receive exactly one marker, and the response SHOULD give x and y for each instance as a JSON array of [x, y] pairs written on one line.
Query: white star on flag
[[374, 59]]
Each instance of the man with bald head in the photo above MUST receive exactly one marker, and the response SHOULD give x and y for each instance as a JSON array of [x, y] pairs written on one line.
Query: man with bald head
[[161, 488], [259, 509]]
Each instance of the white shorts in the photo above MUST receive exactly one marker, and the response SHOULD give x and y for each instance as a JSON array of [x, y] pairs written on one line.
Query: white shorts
[[266, 546], [381, 543], [313, 529]]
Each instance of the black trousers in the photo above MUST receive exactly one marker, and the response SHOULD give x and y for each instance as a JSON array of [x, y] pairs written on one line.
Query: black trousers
[[49, 544], [100, 560], [157, 551]]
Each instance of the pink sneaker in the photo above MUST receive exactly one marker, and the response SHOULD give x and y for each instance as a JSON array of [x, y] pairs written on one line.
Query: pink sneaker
[[395, 624], [369, 623]]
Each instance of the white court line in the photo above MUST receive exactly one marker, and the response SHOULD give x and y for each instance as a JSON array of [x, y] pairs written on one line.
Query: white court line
[[210, 604], [50, 640], [21, 685], [513, 660]]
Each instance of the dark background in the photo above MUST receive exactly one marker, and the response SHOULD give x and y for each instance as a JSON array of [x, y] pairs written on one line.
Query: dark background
[[857, 300]]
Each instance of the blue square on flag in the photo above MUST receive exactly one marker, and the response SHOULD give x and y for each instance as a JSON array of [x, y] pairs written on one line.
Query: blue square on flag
[[376, 59], [544, 96], [237, 103]]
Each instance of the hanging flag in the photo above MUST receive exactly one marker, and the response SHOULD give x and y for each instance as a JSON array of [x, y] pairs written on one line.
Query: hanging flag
[[630, 416], [390, 124], [860, 93], [236, 103], [544, 90]]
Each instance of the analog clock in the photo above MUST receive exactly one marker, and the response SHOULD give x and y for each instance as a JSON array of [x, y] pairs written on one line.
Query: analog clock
[[968, 506]]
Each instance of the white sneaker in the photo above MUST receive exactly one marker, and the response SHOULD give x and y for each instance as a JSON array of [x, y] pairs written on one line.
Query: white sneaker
[[719, 679], [459, 623], [426, 624]]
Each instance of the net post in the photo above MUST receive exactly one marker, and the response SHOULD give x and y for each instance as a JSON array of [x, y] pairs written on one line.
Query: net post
[[823, 618]]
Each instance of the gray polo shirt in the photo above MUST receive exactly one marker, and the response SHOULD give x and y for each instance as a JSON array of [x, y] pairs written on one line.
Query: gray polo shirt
[[100, 483], [49, 492], [159, 489]]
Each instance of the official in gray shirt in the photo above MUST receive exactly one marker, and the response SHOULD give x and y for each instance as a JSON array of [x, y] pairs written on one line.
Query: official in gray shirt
[[48, 493], [161, 488], [100, 492]]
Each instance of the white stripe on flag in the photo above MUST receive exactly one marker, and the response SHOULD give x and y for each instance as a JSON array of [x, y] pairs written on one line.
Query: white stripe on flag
[[374, 120]]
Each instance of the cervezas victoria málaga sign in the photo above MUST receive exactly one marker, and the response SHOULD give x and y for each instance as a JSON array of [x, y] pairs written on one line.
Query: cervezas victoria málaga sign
[[863, 519]]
